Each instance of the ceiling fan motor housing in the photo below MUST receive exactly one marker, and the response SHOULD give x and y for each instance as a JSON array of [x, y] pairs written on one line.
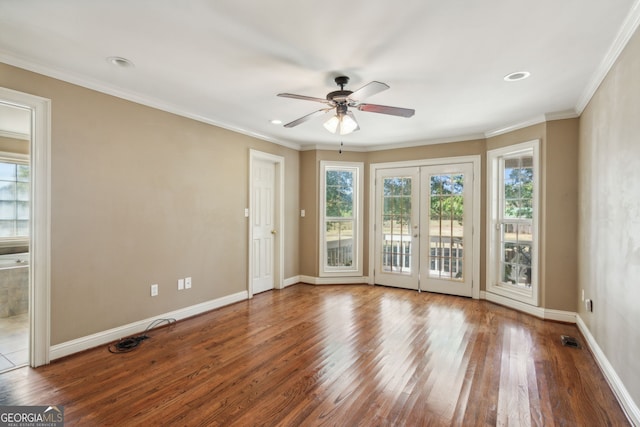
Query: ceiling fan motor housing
[[340, 96]]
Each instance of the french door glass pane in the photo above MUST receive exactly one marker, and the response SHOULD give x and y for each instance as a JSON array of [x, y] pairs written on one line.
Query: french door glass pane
[[446, 231], [396, 225], [339, 244]]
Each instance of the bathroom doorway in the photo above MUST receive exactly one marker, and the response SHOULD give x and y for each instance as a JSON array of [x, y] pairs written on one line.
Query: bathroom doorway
[[15, 216]]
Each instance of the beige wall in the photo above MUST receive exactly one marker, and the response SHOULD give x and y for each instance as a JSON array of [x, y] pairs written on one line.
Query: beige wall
[[558, 207], [609, 216], [559, 216], [140, 196]]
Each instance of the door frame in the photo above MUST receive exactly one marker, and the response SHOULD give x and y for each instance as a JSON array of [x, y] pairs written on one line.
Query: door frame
[[476, 162], [278, 258], [40, 223]]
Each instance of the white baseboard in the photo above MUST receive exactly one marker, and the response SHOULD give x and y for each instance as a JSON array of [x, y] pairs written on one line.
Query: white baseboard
[[356, 280], [629, 407], [542, 313], [80, 344], [291, 281]]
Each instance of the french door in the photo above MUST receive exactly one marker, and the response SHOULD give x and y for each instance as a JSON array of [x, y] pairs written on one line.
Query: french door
[[423, 228]]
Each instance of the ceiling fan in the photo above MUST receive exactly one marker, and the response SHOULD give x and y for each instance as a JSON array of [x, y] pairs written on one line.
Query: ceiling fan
[[344, 122]]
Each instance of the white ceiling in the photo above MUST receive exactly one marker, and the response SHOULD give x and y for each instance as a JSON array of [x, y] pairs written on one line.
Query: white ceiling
[[224, 61]]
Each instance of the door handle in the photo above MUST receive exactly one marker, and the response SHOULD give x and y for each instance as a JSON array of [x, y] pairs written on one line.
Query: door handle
[[415, 235], [273, 232]]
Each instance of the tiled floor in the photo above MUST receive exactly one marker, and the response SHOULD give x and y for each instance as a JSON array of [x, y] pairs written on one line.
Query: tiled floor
[[14, 341]]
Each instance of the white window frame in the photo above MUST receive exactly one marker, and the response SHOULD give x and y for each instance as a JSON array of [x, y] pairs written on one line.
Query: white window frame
[[495, 222], [356, 268]]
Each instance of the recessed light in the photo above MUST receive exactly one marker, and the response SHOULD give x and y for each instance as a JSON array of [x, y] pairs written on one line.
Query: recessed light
[[119, 61], [276, 122], [518, 75]]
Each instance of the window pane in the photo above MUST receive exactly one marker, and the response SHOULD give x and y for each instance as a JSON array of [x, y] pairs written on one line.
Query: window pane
[[516, 254], [7, 171], [396, 247], [7, 190], [518, 187], [23, 173], [339, 194], [7, 228], [22, 228], [339, 243], [22, 210], [7, 210], [22, 191], [14, 199], [446, 212]]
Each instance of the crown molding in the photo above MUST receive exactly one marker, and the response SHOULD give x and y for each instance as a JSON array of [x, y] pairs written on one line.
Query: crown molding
[[516, 126], [561, 115], [628, 28], [132, 97]]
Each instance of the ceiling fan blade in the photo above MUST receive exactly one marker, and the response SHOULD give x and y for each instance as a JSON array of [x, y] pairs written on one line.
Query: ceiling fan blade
[[367, 90], [307, 117], [384, 109], [305, 98]]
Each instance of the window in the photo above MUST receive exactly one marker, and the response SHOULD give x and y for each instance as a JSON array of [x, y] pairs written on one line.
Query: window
[[14, 198], [513, 236], [341, 219]]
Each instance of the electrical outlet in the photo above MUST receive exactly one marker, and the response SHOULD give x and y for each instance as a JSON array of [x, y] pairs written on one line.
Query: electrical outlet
[[154, 290], [187, 283], [588, 305], [180, 284]]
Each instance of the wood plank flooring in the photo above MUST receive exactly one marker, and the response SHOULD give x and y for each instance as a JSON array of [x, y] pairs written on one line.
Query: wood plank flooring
[[337, 356]]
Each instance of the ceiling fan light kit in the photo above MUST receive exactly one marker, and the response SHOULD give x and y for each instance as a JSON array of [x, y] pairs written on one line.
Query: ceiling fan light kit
[[344, 122]]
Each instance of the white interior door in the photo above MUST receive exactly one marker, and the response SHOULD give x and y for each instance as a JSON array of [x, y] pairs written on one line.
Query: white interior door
[[446, 229], [263, 225], [397, 227]]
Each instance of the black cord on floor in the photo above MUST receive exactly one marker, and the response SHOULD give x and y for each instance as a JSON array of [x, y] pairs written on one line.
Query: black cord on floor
[[126, 345]]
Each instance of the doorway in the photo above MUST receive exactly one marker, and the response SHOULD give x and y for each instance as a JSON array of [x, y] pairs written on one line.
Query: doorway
[[32, 210], [425, 216], [15, 138], [266, 209]]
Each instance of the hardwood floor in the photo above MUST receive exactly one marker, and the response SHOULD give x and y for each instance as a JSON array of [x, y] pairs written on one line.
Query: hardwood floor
[[333, 355]]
